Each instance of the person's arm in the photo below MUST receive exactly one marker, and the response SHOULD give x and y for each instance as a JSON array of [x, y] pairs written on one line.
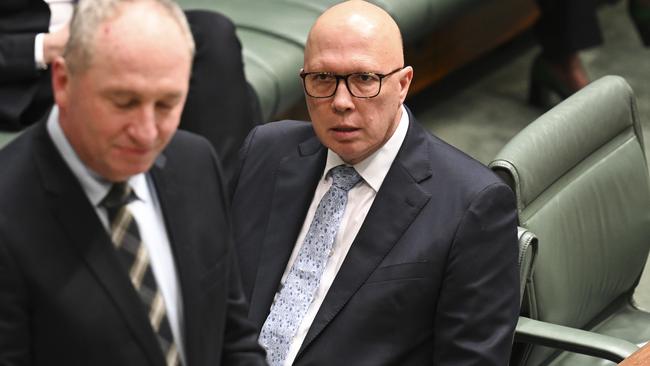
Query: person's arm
[[54, 44], [24, 86], [18, 59], [479, 302], [240, 343]]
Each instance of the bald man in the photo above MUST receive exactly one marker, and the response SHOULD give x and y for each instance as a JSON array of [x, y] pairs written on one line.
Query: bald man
[[115, 244], [362, 239]]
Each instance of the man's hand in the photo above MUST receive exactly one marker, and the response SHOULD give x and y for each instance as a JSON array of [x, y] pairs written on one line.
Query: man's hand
[[54, 43]]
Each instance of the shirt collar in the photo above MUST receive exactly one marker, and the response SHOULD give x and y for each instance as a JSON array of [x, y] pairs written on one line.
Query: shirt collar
[[374, 168], [93, 185]]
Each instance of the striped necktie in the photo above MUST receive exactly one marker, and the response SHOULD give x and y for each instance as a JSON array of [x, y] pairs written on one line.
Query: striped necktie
[[135, 258]]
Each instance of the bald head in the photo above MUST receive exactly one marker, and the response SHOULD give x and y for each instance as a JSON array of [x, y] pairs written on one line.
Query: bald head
[[360, 43], [354, 24]]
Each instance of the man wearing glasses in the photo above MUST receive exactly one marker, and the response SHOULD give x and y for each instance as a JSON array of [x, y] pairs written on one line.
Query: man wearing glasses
[[362, 239]]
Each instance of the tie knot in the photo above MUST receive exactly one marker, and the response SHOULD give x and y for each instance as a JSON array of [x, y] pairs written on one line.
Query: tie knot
[[119, 195], [344, 177]]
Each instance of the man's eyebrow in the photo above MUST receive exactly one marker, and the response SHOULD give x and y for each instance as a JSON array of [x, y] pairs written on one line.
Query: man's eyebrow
[[173, 95], [121, 93]]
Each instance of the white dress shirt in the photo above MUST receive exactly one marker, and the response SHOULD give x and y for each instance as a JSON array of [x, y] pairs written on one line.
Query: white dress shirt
[[147, 214], [372, 170]]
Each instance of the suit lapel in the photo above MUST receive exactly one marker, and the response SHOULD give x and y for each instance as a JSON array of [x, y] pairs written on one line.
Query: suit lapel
[[381, 229], [79, 220], [170, 199], [288, 209]]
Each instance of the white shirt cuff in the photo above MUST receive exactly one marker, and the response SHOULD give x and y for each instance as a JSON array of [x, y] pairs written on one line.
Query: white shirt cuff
[[38, 52]]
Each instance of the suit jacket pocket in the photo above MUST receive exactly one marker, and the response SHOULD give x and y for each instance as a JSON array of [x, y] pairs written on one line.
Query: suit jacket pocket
[[402, 271]]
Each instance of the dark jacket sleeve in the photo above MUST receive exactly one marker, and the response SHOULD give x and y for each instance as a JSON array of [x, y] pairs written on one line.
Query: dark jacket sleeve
[[25, 91], [479, 302], [14, 318], [240, 342], [240, 347], [17, 58]]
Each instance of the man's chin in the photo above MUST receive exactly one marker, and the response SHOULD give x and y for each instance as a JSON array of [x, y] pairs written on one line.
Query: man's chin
[[122, 173], [349, 155]]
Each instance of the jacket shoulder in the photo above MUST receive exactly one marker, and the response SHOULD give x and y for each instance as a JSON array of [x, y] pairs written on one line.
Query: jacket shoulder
[[290, 130], [273, 141]]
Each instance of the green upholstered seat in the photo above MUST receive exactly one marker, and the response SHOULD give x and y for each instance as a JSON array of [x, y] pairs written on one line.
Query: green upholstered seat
[[581, 180], [417, 18], [5, 137], [272, 68]]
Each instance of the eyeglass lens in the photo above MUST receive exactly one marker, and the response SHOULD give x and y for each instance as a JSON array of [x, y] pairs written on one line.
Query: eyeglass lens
[[359, 84]]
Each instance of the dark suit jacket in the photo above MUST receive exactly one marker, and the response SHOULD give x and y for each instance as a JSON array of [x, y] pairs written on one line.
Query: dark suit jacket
[[65, 300], [25, 92], [430, 279]]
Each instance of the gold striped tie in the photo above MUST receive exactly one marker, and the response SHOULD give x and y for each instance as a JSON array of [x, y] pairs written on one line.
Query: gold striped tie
[[135, 258]]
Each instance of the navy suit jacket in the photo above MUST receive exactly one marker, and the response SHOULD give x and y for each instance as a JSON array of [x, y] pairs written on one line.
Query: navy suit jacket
[[64, 297], [431, 277]]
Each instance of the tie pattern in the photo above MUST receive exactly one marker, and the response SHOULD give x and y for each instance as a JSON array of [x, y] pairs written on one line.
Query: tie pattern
[[296, 294], [135, 258]]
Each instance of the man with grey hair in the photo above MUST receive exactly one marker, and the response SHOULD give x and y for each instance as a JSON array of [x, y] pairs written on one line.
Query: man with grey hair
[[115, 246]]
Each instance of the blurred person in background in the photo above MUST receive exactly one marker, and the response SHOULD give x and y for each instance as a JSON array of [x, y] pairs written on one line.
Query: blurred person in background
[[565, 28]]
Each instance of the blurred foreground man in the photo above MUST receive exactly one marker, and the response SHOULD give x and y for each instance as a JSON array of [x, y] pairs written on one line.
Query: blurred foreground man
[[114, 239], [362, 239]]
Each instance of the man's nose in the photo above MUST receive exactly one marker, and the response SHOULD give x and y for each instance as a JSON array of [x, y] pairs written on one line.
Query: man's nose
[[143, 128], [342, 99]]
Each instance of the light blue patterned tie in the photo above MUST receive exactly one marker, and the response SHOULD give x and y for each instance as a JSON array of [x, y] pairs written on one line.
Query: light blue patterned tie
[[294, 297]]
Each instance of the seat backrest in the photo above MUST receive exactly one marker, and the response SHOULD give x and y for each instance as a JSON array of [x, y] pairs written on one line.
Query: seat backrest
[[581, 181]]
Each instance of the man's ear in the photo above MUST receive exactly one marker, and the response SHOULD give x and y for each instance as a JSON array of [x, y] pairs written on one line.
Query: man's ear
[[406, 75], [60, 81]]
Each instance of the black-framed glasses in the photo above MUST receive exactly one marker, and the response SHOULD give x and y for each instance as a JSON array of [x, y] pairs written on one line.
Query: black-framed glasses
[[322, 84]]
